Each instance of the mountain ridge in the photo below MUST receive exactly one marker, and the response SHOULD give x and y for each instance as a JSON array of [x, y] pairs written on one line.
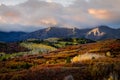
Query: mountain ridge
[[96, 33], [10, 36]]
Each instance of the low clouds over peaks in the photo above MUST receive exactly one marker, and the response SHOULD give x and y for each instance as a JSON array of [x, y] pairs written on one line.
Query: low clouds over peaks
[[81, 14]]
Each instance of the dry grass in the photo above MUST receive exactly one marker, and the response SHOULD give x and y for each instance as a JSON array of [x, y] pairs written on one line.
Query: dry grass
[[52, 66], [84, 57]]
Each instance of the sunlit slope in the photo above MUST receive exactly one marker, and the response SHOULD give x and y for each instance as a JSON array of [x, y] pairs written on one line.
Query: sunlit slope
[[96, 61], [38, 48]]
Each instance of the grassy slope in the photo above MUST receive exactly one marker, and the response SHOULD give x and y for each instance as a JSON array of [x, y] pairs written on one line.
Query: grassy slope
[[32, 46], [55, 65], [38, 48]]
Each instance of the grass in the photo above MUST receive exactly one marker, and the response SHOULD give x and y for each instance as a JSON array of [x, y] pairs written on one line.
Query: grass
[[38, 48], [86, 56], [11, 56], [71, 60]]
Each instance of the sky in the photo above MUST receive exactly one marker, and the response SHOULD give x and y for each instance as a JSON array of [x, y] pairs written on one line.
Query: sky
[[31, 15]]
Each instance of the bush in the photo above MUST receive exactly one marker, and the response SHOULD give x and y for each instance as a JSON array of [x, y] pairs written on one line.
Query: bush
[[68, 60], [20, 65], [26, 65], [109, 54], [16, 77], [3, 59], [4, 70]]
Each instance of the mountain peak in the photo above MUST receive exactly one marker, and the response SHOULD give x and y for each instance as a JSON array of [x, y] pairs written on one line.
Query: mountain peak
[[103, 27], [102, 32], [48, 29], [96, 32], [99, 30], [55, 27]]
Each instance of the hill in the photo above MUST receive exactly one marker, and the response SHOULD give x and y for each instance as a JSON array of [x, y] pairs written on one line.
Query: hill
[[10, 48], [92, 61], [10, 36], [34, 46]]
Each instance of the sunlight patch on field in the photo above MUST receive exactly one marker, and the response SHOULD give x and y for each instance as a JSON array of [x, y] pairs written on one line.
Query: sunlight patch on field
[[38, 48], [84, 57]]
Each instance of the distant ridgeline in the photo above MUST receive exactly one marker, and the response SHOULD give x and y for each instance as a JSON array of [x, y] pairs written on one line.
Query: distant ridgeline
[[97, 33]]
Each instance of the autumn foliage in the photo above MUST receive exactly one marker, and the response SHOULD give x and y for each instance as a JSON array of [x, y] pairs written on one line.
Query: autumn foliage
[[58, 64]]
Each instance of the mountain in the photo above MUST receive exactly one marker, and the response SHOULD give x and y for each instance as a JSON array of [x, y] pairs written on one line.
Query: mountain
[[56, 32], [103, 32], [10, 36], [119, 29], [97, 33]]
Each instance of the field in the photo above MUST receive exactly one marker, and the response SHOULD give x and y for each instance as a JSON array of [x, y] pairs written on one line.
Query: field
[[33, 46], [91, 61]]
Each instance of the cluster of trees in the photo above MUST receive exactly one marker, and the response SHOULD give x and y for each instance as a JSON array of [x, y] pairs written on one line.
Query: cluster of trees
[[10, 48]]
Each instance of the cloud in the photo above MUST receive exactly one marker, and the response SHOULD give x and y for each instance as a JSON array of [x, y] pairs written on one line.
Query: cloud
[[39, 14], [50, 1], [65, 3], [11, 2], [100, 14]]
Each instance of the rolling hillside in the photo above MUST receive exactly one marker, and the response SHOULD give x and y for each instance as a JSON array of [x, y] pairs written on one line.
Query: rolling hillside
[[101, 61], [34, 46]]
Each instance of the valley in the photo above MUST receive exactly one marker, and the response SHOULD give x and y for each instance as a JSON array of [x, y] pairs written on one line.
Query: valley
[[58, 53], [59, 39]]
